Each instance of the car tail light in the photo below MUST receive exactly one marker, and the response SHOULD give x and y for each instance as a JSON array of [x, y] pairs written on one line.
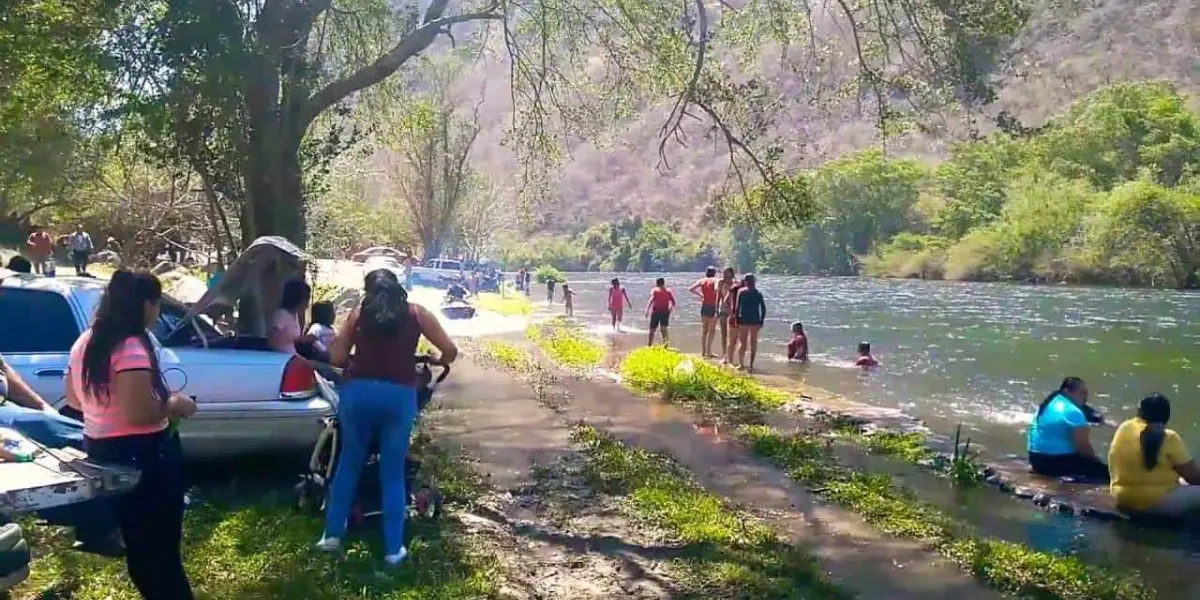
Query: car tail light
[[299, 379]]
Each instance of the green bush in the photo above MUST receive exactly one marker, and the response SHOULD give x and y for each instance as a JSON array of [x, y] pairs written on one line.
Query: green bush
[[547, 273], [708, 388]]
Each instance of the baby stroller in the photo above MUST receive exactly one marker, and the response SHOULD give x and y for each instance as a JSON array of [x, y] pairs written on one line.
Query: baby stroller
[[313, 486]]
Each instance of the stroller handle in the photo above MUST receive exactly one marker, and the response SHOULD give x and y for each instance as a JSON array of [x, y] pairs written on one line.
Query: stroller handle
[[425, 359]]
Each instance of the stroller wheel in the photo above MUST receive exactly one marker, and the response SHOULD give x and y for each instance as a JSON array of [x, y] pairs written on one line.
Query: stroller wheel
[[308, 496]]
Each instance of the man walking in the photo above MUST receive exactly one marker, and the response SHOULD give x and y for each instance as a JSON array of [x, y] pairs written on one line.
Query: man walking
[[39, 247], [706, 290], [662, 302], [80, 245]]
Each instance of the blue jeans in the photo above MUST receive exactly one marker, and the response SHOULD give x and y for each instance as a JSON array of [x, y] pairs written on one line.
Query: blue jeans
[[369, 409], [93, 520]]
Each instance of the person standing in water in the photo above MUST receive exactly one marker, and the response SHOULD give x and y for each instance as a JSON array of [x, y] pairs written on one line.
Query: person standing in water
[[568, 299], [706, 290], [618, 299], [731, 299], [724, 301], [751, 314], [662, 302]]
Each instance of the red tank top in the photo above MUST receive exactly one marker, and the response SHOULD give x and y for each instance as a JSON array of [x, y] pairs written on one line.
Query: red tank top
[[708, 291], [387, 358]]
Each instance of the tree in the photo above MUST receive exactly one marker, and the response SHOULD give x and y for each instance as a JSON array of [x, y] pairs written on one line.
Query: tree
[[481, 220], [426, 155], [253, 94]]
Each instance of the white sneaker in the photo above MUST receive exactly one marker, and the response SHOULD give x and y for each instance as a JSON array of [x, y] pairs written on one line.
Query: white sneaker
[[328, 544], [394, 560]]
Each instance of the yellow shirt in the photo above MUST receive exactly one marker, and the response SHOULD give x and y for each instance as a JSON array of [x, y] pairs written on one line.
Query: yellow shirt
[[1133, 487]]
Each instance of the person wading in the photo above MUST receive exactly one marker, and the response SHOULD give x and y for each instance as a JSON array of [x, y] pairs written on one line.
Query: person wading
[[732, 322], [724, 305], [127, 416], [618, 299], [377, 346], [706, 290], [658, 309], [751, 314]]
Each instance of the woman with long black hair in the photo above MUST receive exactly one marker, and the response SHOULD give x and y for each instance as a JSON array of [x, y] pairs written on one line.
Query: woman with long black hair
[[127, 412], [377, 345], [1147, 460], [1059, 436]]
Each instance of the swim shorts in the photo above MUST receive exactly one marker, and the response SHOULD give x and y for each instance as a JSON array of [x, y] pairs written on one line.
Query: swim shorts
[[660, 319], [708, 310]]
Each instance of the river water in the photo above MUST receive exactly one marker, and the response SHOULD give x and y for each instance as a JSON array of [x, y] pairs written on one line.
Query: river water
[[978, 354]]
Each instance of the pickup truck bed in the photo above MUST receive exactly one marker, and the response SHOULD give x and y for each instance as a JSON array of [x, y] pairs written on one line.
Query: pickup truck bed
[[58, 477]]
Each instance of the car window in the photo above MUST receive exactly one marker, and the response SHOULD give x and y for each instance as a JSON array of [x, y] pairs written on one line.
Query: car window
[[451, 265], [170, 316], [36, 322]]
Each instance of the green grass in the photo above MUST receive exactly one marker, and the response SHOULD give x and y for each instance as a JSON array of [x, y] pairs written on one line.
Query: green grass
[[510, 305], [566, 344], [1006, 566], [509, 356], [687, 380], [260, 547], [727, 553]]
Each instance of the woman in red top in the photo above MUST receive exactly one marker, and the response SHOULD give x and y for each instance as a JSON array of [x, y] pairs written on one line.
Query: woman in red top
[[127, 411], [379, 399], [662, 302], [706, 291], [618, 299]]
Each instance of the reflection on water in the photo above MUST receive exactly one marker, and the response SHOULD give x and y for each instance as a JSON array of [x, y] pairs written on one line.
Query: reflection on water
[[980, 354]]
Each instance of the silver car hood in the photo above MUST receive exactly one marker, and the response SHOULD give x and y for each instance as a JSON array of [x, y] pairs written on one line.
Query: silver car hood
[[265, 265]]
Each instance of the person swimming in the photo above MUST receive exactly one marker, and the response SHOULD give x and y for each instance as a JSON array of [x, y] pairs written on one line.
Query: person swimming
[[797, 348], [865, 359], [1058, 442]]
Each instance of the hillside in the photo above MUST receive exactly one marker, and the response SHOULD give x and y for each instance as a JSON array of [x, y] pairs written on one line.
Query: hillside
[[1071, 48]]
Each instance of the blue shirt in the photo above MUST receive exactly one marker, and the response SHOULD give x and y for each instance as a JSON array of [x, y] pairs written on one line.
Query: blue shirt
[[1051, 433]]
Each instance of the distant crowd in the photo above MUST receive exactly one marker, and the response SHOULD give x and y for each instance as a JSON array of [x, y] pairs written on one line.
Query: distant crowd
[[731, 306]]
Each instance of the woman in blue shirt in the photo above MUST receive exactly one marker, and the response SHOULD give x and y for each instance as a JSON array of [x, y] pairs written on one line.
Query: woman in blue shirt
[[1059, 445]]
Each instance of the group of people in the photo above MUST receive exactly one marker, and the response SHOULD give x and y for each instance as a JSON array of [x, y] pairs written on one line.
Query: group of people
[[120, 411], [39, 250], [1146, 460]]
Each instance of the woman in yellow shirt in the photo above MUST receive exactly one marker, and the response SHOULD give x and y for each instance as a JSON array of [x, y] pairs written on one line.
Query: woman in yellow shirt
[[1146, 461]]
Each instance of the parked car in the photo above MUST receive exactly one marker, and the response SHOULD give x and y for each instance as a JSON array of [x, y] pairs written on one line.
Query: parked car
[[250, 399], [380, 251], [383, 262], [437, 272], [14, 556]]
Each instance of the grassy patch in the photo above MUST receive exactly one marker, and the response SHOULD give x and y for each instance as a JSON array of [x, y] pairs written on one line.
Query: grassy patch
[[712, 390], [509, 356], [727, 553], [911, 447], [512, 304], [261, 548], [1009, 567], [566, 344]]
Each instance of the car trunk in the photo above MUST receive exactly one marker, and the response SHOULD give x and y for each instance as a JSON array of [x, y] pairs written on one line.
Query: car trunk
[[57, 477]]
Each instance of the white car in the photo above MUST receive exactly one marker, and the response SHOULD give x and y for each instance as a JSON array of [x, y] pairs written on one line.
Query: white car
[[250, 399], [438, 272], [383, 262]]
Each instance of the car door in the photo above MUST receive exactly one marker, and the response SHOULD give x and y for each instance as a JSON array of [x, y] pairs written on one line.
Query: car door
[[37, 329]]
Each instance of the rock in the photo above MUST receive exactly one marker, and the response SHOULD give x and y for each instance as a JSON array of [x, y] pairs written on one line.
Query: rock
[[1042, 499], [1024, 493], [1062, 507], [164, 267], [1006, 487], [107, 257]]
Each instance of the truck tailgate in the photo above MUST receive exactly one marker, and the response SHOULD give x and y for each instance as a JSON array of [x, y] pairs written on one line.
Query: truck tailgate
[[57, 478]]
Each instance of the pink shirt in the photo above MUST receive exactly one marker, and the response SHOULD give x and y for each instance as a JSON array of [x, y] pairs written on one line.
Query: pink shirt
[[103, 415], [285, 330]]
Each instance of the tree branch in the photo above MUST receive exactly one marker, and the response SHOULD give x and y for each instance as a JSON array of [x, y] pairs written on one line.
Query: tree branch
[[409, 46]]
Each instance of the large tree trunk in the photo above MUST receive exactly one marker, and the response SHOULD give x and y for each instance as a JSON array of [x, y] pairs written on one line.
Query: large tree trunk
[[275, 190]]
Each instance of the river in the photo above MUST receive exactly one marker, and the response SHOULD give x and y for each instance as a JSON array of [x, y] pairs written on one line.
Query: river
[[978, 354]]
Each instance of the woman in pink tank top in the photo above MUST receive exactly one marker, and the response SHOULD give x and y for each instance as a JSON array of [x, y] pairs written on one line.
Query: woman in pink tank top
[[127, 411], [618, 299]]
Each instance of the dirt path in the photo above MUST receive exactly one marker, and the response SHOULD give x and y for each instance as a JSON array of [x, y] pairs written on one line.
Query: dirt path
[[496, 418]]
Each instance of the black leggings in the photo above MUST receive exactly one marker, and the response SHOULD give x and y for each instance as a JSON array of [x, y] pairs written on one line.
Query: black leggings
[[1069, 465], [151, 516]]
